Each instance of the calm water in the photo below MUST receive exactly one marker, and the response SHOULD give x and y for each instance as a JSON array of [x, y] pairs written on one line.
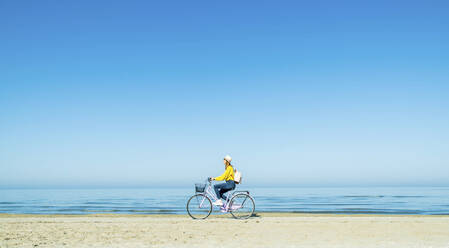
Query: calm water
[[382, 200]]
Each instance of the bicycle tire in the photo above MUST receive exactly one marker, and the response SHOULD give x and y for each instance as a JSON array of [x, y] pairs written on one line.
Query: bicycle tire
[[206, 208], [247, 197]]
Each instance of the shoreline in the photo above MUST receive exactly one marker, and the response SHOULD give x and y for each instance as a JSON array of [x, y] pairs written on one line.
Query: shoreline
[[221, 215]]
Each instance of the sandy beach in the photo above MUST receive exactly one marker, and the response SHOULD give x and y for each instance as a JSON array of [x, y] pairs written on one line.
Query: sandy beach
[[265, 230]]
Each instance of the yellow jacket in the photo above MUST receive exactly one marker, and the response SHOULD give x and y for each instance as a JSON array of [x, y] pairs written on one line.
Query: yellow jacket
[[227, 175]]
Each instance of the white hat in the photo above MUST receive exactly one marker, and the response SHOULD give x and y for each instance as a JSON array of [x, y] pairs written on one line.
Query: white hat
[[228, 158]]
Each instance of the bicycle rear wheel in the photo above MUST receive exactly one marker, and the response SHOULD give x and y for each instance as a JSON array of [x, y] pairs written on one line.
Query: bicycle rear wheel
[[242, 206], [199, 206]]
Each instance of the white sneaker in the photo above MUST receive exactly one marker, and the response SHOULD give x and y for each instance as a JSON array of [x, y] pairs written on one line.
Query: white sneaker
[[218, 203]]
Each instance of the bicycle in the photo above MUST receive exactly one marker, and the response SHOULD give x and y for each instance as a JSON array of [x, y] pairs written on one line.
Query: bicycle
[[239, 203]]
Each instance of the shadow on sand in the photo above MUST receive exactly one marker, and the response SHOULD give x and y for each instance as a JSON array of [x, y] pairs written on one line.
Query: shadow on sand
[[255, 215]]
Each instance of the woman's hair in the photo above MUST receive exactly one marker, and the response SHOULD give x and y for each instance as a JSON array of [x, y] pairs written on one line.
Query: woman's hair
[[227, 163]]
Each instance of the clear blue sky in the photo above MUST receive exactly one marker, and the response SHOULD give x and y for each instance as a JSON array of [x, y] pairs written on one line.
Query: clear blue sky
[[144, 93]]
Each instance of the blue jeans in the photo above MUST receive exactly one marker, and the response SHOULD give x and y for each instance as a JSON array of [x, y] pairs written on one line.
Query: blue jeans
[[222, 188]]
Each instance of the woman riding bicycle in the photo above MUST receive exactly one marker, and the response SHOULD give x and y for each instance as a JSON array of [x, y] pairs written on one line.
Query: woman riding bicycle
[[227, 176]]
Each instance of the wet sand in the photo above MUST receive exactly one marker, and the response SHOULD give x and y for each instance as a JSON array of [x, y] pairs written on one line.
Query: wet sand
[[264, 230]]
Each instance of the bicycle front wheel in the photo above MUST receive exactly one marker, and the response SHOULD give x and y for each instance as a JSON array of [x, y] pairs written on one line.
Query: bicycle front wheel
[[242, 206], [199, 206]]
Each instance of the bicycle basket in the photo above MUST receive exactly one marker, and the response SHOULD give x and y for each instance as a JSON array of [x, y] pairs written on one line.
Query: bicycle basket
[[199, 187]]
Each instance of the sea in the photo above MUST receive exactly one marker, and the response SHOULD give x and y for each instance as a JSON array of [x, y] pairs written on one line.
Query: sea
[[333, 200]]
